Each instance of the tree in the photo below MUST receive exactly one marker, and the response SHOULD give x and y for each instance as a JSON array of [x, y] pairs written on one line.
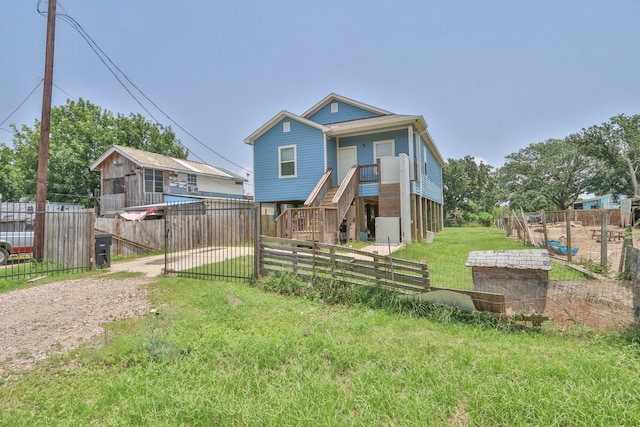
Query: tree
[[547, 175], [617, 144], [468, 185], [8, 176], [80, 133]]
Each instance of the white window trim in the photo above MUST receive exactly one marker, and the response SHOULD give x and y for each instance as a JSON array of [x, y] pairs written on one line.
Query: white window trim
[[386, 141], [144, 181], [295, 161], [425, 163]]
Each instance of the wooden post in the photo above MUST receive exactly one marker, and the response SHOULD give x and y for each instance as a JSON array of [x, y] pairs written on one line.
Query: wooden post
[[425, 277], [45, 129], [603, 239], [568, 231], [294, 251], [543, 217]]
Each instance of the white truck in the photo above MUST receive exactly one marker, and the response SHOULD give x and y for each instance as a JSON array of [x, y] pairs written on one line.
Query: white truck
[[13, 243]]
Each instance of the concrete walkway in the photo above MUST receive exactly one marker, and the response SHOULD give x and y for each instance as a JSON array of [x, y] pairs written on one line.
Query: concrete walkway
[[153, 266]]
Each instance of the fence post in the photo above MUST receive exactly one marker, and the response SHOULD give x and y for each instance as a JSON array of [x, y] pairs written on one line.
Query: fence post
[[567, 216], [257, 229], [634, 263], [425, 277], [543, 218], [603, 239]]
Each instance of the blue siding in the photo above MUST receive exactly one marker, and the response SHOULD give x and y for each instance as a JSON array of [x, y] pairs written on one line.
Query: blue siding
[[332, 157], [345, 112], [432, 183], [365, 154], [268, 187]]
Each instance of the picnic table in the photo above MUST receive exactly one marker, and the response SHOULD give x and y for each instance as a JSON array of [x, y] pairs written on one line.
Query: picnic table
[[611, 235]]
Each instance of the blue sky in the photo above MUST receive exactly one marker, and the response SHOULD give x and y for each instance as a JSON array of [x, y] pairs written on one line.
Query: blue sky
[[490, 77]]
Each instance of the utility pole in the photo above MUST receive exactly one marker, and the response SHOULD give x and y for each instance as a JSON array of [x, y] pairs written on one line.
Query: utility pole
[[45, 127]]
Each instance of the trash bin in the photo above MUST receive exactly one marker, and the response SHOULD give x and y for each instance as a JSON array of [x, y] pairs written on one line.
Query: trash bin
[[430, 236], [103, 250]]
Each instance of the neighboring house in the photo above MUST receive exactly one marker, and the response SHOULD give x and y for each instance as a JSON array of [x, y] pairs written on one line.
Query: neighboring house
[[131, 177], [601, 202], [346, 160]]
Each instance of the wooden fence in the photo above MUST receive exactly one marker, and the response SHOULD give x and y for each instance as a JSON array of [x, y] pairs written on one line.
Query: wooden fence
[[69, 239], [314, 261], [191, 227], [132, 237]]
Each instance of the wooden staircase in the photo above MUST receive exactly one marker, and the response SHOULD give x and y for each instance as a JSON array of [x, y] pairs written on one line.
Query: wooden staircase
[[327, 202], [324, 209]]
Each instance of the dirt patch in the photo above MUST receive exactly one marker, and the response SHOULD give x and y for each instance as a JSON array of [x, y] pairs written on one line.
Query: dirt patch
[[599, 305], [588, 241], [54, 318]]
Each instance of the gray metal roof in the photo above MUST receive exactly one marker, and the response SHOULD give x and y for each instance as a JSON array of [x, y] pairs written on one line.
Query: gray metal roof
[[525, 259], [160, 161], [378, 120]]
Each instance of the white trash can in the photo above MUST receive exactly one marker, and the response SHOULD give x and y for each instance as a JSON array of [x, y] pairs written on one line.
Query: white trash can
[[430, 236]]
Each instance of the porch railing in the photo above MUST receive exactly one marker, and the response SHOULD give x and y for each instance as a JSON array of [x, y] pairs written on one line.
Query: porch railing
[[369, 173], [312, 224], [347, 192], [320, 191]]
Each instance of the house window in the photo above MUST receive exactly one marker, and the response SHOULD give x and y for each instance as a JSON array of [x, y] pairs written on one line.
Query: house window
[[383, 149], [153, 181], [286, 127], [334, 107], [287, 161], [192, 183]]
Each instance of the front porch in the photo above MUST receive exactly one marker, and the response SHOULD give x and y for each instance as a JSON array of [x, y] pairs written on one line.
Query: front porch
[[361, 197]]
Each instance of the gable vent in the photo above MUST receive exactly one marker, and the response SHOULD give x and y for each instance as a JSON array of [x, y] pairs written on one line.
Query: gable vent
[[286, 126], [334, 107]]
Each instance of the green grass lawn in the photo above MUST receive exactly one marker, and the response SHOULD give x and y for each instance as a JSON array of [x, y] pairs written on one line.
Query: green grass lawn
[[229, 354], [220, 353], [447, 255]]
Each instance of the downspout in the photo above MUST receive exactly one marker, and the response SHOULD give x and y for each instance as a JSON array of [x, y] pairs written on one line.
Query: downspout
[[419, 166], [324, 149], [412, 172]]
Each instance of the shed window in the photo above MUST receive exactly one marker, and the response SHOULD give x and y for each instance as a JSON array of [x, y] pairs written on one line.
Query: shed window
[[118, 185], [153, 181], [287, 161], [383, 149]]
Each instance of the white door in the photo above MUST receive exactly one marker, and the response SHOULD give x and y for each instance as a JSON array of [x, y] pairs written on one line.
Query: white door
[[347, 157]]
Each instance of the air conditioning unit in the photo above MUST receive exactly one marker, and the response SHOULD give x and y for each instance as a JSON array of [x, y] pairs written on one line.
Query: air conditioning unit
[[192, 189]]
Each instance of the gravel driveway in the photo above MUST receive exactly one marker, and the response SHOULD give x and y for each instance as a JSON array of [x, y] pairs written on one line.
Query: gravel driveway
[[54, 318]]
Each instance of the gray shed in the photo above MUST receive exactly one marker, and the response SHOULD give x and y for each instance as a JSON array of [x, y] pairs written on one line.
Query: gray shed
[[522, 276]]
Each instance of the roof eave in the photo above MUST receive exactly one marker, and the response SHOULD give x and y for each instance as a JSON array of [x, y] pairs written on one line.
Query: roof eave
[[335, 96], [275, 119]]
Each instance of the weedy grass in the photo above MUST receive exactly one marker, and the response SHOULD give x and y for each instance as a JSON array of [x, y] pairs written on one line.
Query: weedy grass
[[37, 278], [217, 353], [220, 353]]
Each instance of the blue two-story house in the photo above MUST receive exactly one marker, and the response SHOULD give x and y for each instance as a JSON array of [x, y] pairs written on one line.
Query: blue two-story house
[[345, 166]]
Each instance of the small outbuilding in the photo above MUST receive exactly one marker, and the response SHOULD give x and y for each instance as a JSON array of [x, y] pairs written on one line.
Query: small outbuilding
[[522, 276]]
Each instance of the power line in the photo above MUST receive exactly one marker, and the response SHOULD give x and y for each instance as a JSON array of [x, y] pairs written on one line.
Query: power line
[[64, 91], [102, 56], [23, 101]]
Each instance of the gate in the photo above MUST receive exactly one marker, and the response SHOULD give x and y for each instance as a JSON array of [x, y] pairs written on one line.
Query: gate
[[211, 238]]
